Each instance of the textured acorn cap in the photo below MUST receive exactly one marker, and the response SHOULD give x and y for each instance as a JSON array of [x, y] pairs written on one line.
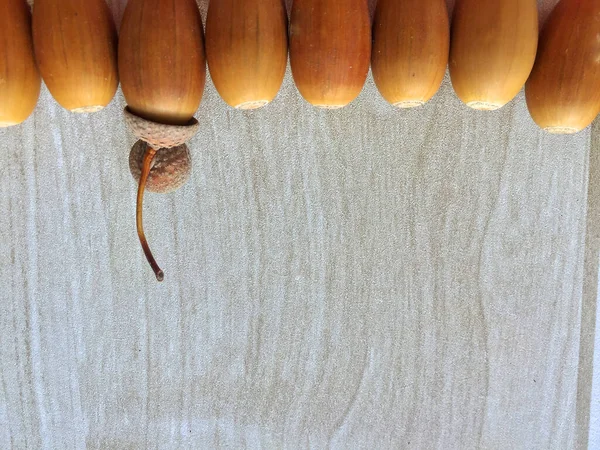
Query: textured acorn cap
[[159, 135], [171, 167]]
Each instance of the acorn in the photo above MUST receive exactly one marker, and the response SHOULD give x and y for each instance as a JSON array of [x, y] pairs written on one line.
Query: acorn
[[19, 77], [246, 50], [411, 40], [563, 91], [163, 70], [492, 50], [75, 45], [330, 50]]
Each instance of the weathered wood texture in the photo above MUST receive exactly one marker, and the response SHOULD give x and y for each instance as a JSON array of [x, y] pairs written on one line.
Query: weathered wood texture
[[361, 278]]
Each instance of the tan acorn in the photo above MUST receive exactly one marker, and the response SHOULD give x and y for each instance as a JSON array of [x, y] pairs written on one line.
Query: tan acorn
[[19, 77], [563, 91], [75, 45], [492, 50], [411, 40], [163, 69], [246, 50], [330, 50]]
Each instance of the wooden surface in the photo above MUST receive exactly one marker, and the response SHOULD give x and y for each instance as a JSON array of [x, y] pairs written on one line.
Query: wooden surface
[[362, 278]]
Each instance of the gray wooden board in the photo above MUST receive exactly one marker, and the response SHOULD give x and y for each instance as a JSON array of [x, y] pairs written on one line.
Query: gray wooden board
[[361, 278]]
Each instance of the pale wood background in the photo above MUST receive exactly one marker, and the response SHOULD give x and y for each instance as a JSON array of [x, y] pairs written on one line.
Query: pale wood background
[[363, 278]]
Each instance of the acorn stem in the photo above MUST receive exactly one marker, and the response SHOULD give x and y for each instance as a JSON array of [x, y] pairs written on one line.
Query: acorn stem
[[146, 166]]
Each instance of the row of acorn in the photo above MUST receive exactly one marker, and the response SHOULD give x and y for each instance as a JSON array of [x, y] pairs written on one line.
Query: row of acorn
[[491, 49]]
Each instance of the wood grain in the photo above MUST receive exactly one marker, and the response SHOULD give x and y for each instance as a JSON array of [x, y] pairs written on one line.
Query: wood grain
[[362, 278]]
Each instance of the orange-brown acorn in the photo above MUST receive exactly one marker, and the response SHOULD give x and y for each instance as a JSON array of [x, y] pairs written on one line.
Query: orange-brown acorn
[[411, 39], [76, 50], [563, 91], [492, 50], [20, 86], [330, 50], [163, 70], [246, 50]]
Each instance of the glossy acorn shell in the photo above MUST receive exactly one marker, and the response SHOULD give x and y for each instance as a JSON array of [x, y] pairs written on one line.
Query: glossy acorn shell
[[411, 40], [563, 91], [20, 79], [246, 50], [76, 50], [492, 50], [161, 59], [330, 50]]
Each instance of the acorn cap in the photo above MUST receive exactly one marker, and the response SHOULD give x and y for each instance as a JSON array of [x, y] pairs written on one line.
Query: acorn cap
[[159, 135], [171, 167]]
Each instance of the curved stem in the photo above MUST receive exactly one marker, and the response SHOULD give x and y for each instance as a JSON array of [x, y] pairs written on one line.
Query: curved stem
[[146, 166]]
